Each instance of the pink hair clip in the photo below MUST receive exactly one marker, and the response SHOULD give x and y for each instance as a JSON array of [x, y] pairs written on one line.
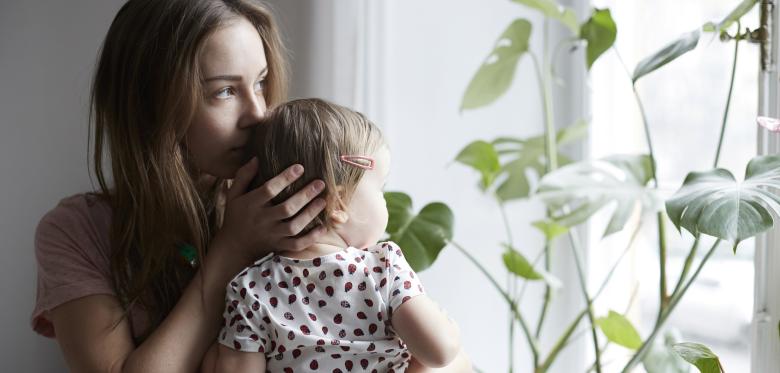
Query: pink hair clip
[[366, 163]]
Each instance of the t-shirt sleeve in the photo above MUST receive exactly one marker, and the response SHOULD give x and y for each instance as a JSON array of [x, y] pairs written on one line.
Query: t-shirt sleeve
[[243, 322], [71, 262], [404, 282]]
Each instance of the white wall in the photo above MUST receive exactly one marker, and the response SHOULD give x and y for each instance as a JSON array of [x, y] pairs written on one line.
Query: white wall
[[422, 56], [47, 52]]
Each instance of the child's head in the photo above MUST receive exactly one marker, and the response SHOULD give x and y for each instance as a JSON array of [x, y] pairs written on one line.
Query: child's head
[[334, 144]]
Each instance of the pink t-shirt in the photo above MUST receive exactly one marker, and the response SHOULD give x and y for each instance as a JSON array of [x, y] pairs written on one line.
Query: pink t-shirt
[[73, 254]]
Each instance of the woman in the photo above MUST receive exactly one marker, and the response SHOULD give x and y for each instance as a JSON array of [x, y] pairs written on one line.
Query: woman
[[132, 278]]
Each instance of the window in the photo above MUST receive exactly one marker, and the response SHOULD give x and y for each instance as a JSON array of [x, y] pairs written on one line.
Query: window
[[684, 103]]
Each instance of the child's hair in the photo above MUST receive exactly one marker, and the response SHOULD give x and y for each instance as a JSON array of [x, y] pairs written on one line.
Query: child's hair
[[315, 134]]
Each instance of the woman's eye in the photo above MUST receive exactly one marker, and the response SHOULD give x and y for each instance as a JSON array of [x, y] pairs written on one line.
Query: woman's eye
[[224, 93], [259, 85]]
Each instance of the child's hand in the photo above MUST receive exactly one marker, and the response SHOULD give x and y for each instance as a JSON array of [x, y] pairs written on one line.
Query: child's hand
[[253, 227]]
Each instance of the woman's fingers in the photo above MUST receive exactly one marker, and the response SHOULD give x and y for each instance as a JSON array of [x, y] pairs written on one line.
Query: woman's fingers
[[271, 188], [294, 226], [300, 243], [299, 200], [243, 177]]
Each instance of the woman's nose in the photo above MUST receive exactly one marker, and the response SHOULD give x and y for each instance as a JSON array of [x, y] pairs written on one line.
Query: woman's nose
[[254, 109]]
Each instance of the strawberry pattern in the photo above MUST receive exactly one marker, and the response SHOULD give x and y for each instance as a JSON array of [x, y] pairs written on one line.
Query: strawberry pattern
[[327, 314]]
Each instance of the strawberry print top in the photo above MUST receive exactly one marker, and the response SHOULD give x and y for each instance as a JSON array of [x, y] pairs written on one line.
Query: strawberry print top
[[328, 314]]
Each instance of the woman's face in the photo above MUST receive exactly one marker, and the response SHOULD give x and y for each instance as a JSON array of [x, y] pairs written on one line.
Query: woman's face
[[234, 69]]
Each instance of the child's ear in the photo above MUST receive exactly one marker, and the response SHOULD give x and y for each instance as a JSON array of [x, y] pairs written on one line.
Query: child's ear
[[337, 214]]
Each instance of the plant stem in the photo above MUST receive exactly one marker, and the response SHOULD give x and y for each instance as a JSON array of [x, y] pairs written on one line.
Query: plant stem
[[588, 300], [547, 289], [728, 97], [511, 289], [675, 299], [532, 342], [663, 297], [687, 265], [615, 265], [647, 135], [550, 145], [664, 292]]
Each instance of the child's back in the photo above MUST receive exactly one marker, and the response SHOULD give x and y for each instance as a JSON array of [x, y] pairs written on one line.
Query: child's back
[[329, 313]]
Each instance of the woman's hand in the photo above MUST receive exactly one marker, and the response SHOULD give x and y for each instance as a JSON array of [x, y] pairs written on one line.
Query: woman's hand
[[253, 226]]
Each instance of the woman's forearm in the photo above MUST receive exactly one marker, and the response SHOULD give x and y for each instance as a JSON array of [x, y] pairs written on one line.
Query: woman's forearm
[[182, 339]]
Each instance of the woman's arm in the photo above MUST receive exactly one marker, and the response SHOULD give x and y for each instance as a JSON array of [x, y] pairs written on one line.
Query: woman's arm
[[432, 338], [85, 326], [90, 343]]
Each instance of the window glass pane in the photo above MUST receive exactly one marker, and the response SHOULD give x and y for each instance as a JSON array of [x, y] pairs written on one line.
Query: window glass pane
[[684, 103]]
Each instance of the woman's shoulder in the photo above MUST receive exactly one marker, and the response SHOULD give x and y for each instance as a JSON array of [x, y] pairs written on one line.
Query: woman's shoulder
[[77, 209], [83, 219]]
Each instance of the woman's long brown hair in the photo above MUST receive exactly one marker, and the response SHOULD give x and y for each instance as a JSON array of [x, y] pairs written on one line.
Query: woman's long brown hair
[[144, 95]]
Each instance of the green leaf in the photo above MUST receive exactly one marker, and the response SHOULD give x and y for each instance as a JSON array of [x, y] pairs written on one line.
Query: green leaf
[[421, 236], [577, 191], [714, 203], [399, 210], [619, 330], [522, 156], [550, 229], [553, 10], [495, 75], [700, 356], [516, 263], [481, 156], [667, 54], [600, 31], [737, 13], [572, 133]]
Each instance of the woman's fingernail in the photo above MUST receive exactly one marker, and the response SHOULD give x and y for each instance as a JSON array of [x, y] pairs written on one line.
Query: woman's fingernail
[[319, 186], [297, 170]]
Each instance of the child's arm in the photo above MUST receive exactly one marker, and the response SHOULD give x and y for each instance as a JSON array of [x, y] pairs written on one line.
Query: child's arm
[[432, 338], [461, 364], [229, 361]]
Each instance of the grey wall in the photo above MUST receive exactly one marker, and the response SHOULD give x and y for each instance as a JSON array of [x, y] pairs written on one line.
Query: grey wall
[[47, 51]]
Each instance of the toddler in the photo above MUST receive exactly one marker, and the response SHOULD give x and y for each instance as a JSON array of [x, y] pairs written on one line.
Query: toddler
[[346, 303]]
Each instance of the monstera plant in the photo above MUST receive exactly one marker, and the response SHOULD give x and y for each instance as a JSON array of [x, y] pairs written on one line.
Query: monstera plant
[[712, 203]]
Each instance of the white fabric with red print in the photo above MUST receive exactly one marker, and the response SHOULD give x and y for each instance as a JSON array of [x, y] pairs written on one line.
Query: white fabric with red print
[[327, 314]]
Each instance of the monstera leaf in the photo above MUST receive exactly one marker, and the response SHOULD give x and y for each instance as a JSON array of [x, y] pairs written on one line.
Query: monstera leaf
[[600, 31], [577, 191], [481, 156], [553, 10], [421, 236], [495, 75], [505, 163], [700, 356], [667, 54], [714, 203]]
